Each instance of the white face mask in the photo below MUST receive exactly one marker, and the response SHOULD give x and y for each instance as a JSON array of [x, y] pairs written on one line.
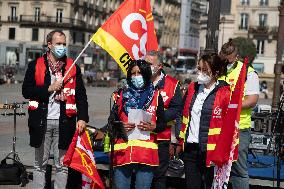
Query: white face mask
[[203, 78], [229, 66]]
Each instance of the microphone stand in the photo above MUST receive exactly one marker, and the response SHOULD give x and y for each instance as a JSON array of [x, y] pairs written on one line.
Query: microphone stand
[[279, 139], [111, 121]]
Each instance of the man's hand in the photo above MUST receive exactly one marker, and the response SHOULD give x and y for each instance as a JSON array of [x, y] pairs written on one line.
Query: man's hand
[[145, 126], [55, 86], [81, 125], [128, 126]]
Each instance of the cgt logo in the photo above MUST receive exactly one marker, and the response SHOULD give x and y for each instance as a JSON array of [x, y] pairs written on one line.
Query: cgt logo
[[217, 112], [142, 40], [151, 109]]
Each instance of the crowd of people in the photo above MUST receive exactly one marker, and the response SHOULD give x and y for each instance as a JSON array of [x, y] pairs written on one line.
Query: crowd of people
[[58, 107]]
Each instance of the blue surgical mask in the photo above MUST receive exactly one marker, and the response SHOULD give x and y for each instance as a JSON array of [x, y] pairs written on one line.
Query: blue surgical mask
[[59, 51], [137, 81]]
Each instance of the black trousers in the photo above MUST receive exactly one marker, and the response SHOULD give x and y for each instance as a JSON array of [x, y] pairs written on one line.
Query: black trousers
[[159, 180], [197, 175]]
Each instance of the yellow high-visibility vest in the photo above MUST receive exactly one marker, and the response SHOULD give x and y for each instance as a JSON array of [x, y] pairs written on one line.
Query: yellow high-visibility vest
[[231, 78]]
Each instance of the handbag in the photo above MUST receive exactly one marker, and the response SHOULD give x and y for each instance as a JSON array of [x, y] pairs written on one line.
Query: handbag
[[14, 173], [176, 166]]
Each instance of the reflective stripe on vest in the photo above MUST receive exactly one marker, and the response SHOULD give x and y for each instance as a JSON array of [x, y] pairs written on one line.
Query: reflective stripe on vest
[[140, 143], [231, 78]]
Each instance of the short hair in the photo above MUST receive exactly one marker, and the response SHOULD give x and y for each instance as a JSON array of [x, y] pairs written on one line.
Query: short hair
[[50, 35], [228, 48], [216, 64], [157, 54], [145, 71]]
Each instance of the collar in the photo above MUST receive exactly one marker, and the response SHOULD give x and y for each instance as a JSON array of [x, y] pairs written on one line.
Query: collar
[[161, 82]]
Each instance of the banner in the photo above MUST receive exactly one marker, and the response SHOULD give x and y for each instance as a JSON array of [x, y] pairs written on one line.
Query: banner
[[128, 33], [227, 148], [80, 157]]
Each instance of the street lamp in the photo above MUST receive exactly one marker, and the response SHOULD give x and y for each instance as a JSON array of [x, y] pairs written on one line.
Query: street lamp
[[279, 63], [223, 20], [213, 26]]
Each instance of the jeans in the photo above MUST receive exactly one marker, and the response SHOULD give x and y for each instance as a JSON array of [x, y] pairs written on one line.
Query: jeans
[[239, 173], [160, 178], [42, 153], [144, 176], [197, 175]]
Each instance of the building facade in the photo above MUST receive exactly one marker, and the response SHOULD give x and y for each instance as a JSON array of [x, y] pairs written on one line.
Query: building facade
[[191, 12], [254, 19], [167, 23], [25, 24]]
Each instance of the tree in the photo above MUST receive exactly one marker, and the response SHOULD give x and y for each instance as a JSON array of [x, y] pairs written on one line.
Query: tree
[[246, 47]]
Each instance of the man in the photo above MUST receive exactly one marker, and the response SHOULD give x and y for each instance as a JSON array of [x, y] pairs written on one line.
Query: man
[[54, 107], [239, 173], [170, 91]]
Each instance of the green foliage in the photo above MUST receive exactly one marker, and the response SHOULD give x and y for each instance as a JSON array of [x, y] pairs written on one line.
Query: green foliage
[[246, 47]]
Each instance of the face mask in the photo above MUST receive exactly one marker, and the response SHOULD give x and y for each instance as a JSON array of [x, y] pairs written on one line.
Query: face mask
[[230, 65], [137, 81], [155, 69], [203, 78], [59, 51]]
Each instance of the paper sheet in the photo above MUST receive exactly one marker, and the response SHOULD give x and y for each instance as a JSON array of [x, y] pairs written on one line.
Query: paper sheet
[[135, 116]]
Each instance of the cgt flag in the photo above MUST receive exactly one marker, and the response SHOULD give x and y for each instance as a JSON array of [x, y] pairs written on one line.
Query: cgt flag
[[129, 33], [226, 150], [80, 157]]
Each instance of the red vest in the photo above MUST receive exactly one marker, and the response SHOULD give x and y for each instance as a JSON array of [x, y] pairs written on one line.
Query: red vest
[[167, 93], [219, 110], [136, 151], [69, 86]]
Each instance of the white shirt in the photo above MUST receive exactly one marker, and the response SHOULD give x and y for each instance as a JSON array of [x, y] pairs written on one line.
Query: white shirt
[[160, 78], [53, 105], [194, 124], [252, 84]]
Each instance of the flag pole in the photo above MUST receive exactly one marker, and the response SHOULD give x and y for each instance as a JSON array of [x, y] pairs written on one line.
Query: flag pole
[[77, 58]]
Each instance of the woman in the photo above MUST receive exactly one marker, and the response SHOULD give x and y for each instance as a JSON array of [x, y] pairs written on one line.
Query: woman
[[205, 104], [138, 155]]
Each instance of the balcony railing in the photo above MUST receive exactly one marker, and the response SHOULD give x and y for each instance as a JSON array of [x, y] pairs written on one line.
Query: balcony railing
[[52, 20], [12, 18], [243, 27], [258, 29]]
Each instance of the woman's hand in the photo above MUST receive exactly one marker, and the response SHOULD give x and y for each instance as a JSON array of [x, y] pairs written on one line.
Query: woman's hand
[[146, 126], [128, 126]]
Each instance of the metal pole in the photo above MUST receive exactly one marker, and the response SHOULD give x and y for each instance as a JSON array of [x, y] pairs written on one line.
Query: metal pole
[[279, 63], [213, 26]]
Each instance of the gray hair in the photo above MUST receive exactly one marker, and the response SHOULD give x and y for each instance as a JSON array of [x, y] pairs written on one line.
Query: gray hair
[[157, 54]]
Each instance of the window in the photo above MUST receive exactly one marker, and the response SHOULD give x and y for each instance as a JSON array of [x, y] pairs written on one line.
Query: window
[[244, 21], [37, 14], [262, 20], [244, 2], [35, 34], [260, 47], [13, 13], [59, 15], [12, 33], [263, 2]]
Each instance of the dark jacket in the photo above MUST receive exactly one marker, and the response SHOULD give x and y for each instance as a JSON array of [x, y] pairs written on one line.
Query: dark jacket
[[174, 111], [37, 118]]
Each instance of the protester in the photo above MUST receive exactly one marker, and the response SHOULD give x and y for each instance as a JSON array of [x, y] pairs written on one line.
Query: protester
[[137, 155], [54, 107], [170, 90], [239, 174], [205, 105]]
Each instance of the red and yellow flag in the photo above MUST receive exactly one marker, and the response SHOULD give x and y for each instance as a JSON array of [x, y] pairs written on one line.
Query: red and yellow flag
[[128, 33], [80, 157]]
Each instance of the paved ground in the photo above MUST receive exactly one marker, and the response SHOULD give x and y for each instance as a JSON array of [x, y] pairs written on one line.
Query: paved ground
[[98, 110], [98, 99]]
